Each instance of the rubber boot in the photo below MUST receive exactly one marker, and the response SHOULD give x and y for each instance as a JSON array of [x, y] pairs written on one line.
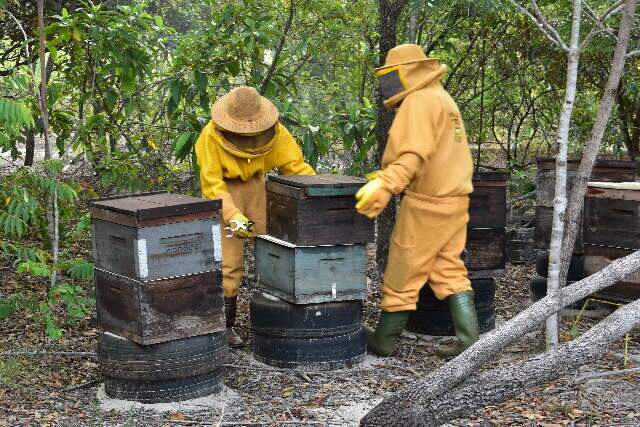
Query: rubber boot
[[233, 339], [465, 322], [382, 341]]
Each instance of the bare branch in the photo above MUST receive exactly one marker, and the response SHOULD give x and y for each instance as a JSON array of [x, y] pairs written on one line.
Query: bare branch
[[544, 22], [599, 27], [633, 54], [541, 27]]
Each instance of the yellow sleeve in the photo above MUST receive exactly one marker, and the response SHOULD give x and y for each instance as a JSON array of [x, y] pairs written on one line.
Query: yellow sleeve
[[288, 156], [211, 179], [413, 138]]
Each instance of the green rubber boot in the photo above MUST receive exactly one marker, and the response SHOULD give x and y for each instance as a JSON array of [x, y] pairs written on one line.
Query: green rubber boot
[[382, 341], [465, 322]]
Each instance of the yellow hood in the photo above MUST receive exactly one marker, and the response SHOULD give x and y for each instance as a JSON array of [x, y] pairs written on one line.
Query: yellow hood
[[415, 76]]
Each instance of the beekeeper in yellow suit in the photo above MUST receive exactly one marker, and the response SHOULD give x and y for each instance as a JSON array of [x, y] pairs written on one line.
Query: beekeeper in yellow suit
[[427, 160], [241, 143]]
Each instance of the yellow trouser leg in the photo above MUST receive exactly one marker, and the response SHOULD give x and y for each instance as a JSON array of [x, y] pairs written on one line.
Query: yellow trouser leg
[[250, 198], [425, 227], [449, 275]]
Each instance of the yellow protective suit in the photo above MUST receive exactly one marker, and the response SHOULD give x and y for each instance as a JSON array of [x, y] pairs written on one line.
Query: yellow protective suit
[[427, 159], [236, 176]]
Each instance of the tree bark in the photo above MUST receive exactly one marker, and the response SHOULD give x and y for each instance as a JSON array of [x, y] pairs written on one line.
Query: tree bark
[[389, 12], [560, 199], [30, 146], [496, 385], [592, 147], [413, 22], [52, 208], [399, 408]]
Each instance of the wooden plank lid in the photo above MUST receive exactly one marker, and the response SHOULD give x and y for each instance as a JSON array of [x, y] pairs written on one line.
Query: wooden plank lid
[[147, 206], [491, 176], [322, 185], [614, 190]]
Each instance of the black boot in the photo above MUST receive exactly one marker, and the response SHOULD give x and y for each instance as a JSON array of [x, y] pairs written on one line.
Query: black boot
[[233, 339], [465, 322]]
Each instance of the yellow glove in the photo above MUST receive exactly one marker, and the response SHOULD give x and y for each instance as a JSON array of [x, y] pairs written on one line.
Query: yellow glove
[[373, 175], [240, 226], [372, 198]]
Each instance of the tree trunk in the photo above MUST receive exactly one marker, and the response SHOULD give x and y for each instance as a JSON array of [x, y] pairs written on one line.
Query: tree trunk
[[52, 208], [48, 150], [413, 22], [389, 12], [400, 408], [30, 146], [497, 385], [592, 147], [560, 199]]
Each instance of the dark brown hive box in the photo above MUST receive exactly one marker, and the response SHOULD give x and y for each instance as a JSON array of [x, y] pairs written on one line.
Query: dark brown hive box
[[161, 310], [612, 215], [156, 235], [488, 202], [316, 210]]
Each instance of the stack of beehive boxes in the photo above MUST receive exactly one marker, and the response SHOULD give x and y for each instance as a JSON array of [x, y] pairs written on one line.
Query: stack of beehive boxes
[[611, 231], [485, 259], [159, 296], [603, 171], [311, 267]]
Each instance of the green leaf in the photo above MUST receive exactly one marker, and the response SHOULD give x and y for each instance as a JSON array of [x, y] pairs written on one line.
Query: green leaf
[[184, 145]]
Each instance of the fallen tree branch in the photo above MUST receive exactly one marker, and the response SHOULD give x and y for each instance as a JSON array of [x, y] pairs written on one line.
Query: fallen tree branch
[[618, 373], [504, 382], [423, 391]]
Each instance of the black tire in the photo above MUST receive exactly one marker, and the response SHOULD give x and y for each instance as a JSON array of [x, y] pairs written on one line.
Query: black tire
[[272, 316], [328, 353], [538, 290], [123, 359], [166, 391], [484, 295], [439, 323], [576, 267]]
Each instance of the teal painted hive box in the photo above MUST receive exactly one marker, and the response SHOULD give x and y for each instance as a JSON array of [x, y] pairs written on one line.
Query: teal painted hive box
[[311, 274]]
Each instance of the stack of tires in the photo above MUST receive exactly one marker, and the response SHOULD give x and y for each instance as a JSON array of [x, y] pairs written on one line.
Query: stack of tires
[[321, 336], [433, 317], [171, 371]]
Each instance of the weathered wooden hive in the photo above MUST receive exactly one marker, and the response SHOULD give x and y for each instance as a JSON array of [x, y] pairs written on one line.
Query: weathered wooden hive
[[316, 210], [315, 250], [311, 268], [486, 233], [157, 259], [611, 230], [603, 171]]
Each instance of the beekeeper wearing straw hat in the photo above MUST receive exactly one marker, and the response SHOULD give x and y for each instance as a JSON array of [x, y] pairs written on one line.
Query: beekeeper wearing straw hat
[[240, 144], [427, 160]]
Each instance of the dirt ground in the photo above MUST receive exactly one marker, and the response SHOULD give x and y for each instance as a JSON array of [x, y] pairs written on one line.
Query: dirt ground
[[54, 390]]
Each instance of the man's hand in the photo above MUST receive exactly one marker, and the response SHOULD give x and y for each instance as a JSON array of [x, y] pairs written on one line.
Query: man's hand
[[372, 198], [240, 226]]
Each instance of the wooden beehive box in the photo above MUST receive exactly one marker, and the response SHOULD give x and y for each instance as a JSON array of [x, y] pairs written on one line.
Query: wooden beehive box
[[316, 210], [156, 235], [311, 274], [487, 248], [598, 257], [612, 215], [488, 202], [160, 310], [603, 170]]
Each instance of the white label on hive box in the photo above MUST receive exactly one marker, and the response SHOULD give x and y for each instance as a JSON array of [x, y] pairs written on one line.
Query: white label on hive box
[[217, 242], [141, 249], [333, 291]]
